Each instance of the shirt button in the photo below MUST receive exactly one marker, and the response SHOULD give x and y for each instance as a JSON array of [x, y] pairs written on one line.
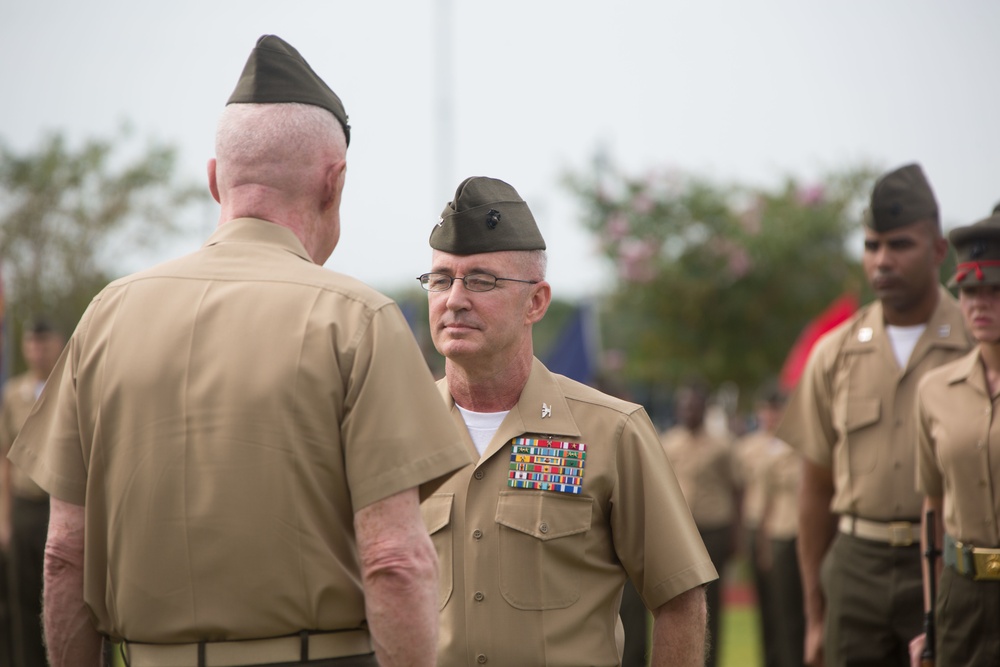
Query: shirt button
[[979, 445], [543, 528], [897, 465], [481, 659], [478, 474], [478, 534], [479, 596]]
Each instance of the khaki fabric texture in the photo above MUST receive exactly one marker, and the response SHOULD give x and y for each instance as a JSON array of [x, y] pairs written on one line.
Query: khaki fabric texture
[[959, 452], [18, 399], [535, 577], [221, 417], [706, 472], [751, 454], [782, 481], [853, 410]]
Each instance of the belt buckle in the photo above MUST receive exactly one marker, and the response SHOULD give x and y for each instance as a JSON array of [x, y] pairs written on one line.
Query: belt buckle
[[900, 533], [987, 564]]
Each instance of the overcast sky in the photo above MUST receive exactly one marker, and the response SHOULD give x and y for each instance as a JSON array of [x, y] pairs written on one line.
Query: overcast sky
[[734, 90]]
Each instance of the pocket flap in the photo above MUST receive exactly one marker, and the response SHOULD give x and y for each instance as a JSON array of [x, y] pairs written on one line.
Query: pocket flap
[[862, 412], [436, 511], [544, 516]]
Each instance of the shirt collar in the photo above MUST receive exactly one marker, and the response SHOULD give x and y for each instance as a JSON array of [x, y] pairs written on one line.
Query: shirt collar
[[260, 232]]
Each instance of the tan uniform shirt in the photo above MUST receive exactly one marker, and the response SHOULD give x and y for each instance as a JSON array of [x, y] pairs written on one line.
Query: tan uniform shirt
[[853, 409], [959, 451], [221, 417], [706, 472], [752, 454], [18, 399], [534, 577], [781, 483]]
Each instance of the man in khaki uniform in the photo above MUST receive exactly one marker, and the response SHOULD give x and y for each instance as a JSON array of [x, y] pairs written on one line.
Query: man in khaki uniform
[[753, 454], [706, 472], [570, 493], [852, 418], [779, 536], [234, 440], [25, 519], [958, 461]]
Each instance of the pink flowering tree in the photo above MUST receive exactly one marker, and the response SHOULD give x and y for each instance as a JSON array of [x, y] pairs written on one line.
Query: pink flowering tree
[[718, 280]]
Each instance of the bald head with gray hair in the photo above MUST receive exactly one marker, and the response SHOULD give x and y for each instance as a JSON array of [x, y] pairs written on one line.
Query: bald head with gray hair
[[283, 163]]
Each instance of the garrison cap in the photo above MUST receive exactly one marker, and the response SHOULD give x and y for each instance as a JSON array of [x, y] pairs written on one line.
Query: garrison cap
[[275, 73], [486, 215], [900, 198], [978, 249]]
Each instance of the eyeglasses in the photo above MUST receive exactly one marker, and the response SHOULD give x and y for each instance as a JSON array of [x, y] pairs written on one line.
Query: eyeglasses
[[474, 282]]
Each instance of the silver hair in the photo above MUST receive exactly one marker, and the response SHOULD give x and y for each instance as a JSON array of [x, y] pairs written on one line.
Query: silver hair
[[255, 134]]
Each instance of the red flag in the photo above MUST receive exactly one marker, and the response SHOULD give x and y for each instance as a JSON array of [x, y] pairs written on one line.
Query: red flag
[[837, 312]]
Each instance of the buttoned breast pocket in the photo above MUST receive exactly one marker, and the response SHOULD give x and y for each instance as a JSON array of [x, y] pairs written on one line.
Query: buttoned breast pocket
[[541, 536], [436, 513]]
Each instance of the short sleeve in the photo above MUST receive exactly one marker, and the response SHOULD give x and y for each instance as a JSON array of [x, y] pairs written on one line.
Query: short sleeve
[[654, 534], [929, 480], [807, 424], [396, 431], [49, 448]]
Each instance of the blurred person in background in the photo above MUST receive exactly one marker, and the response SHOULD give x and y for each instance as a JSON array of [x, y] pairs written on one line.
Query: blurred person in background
[[24, 521], [753, 455], [706, 471]]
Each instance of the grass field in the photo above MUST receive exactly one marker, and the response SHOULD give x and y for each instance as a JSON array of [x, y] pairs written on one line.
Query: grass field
[[740, 645]]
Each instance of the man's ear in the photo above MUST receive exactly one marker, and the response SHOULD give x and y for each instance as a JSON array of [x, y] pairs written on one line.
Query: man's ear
[[213, 184], [940, 250], [333, 188], [541, 297]]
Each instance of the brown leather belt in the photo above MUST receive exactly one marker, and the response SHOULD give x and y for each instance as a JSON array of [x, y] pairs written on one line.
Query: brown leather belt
[[292, 648], [978, 563], [893, 533]]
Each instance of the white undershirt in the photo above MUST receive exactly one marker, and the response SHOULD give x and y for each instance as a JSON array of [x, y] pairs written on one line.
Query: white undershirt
[[903, 340], [482, 426]]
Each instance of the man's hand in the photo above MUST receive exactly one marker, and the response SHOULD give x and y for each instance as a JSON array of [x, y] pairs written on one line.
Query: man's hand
[[814, 644], [917, 649]]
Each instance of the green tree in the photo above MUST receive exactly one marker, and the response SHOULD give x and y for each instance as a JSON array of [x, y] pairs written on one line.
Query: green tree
[[715, 280], [71, 216]]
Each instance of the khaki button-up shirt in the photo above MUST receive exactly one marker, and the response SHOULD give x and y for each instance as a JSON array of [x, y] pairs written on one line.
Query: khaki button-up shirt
[[706, 472], [853, 409], [959, 453], [752, 454], [19, 397], [533, 576], [781, 482], [221, 417]]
